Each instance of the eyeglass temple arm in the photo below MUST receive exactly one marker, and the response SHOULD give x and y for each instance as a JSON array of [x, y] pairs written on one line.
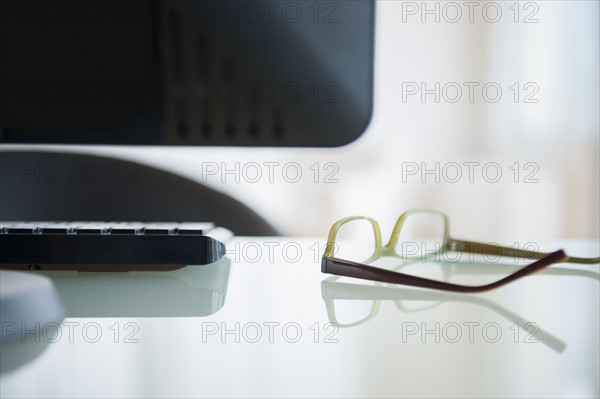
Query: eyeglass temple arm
[[498, 250], [347, 268]]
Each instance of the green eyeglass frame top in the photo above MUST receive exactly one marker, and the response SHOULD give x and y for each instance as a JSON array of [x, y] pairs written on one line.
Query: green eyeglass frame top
[[342, 267], [450, 244], [390, 248]]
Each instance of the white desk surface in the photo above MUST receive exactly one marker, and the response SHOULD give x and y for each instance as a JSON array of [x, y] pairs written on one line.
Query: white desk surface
[[258, 326]]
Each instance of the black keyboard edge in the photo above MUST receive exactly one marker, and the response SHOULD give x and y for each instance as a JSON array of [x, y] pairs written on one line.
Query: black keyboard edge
[[109, 249]]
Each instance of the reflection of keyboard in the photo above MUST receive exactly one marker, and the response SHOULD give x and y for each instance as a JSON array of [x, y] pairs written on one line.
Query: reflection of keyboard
[[109, 246]]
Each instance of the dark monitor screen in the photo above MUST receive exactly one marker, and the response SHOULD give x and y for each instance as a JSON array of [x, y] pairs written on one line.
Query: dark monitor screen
[[191, 72]]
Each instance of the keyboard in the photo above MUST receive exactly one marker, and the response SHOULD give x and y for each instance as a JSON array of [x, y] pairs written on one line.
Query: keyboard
[[110, 246]]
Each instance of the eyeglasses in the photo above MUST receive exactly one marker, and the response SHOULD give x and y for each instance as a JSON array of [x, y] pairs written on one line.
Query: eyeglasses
[[417, 233]]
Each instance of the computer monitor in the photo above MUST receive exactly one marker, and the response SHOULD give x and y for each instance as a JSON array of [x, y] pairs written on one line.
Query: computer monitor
[[189, 72]]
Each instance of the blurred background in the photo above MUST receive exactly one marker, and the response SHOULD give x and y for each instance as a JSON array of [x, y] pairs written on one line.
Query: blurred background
[[487, 111]]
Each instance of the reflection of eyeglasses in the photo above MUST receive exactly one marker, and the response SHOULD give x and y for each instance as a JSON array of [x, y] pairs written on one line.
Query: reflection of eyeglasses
[[333, 291], [417, 233]]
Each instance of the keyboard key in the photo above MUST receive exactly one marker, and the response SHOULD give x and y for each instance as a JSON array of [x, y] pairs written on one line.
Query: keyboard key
[[92, 227], [166, 228], [21, 227], [194, 228], [58, 228], [127, 228]]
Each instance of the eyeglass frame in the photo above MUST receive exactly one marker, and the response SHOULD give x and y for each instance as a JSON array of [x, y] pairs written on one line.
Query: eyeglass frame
[[342, 267]]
